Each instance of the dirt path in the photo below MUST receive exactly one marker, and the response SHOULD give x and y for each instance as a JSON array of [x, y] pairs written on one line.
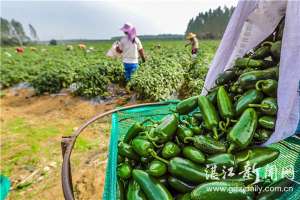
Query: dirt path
[[31, 129]]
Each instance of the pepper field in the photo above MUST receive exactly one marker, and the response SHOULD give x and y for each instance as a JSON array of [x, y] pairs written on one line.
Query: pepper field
[[46, 92]]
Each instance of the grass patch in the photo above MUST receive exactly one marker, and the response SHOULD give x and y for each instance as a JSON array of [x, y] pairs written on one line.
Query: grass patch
[[23, 143], [84, 144]]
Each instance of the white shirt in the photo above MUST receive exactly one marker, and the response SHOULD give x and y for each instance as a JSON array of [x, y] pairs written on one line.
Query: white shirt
[[130, 49]]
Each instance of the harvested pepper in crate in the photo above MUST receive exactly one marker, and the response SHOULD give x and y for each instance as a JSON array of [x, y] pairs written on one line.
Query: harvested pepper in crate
[[210, 115], [267, 122], [157, 168], [242, 132], [268, 87], [207, 144], [268, 106], [193, 154], [151, 187], [179, 185], [188, 105]]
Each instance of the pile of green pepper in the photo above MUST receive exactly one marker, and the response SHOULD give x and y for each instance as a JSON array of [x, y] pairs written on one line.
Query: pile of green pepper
[[169, 159]]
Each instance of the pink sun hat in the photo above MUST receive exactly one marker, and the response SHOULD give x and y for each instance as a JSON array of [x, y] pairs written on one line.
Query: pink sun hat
[[130, 30]]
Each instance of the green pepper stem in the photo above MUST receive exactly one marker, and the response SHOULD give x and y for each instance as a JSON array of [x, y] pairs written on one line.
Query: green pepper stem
[[154, 155], [177, 140], [188, 139], [156, 145], [258, 85], [227, 122], [222, 126], [151, 138], [215, 132], [265, 106], [236, 97]]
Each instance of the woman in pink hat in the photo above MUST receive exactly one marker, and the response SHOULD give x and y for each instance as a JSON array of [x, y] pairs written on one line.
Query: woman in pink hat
[[131, 48]]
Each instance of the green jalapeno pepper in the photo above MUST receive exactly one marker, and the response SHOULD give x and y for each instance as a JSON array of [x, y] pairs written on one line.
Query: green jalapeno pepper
[[165, 130], [133, 131], [276, 50], [193, 154], [221, 160], [226, 77], [188, 171], [186, 106], [256, 157], [134, 191], [267, 122], [126, 150], [251, 96], [207, 144], [151, 187], [157, 168], [142, 146], [225, 106], [183, 132], [249, 79], [262, 52], [194, 125], [124, 171], [204, 191], [243, 63], [269, 87], [268, 106], [261, 136], [170, 150], [242, 132], [210, 115], [196, 129], [235, 88], [179, 185]]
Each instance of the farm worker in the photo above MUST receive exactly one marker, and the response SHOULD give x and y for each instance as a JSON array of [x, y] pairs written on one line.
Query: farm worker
[[193, 41], [131, 48], [20, 50], [82, 46]]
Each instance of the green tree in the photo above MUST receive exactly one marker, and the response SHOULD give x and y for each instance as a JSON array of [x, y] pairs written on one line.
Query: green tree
[[4, 26], [210, 24], [12, 33]]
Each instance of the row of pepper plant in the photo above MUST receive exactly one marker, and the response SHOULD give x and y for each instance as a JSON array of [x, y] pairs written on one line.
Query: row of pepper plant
[[168, 72]]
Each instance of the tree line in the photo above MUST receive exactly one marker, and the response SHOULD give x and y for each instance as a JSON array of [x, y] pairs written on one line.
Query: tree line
[[12, 33], [210, 24]]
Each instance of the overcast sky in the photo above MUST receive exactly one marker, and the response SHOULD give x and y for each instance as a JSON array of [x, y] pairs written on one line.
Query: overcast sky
[[103, 19]]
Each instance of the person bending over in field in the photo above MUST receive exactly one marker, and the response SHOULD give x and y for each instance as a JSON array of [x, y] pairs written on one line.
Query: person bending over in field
[[193, 41], [131, 48]]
